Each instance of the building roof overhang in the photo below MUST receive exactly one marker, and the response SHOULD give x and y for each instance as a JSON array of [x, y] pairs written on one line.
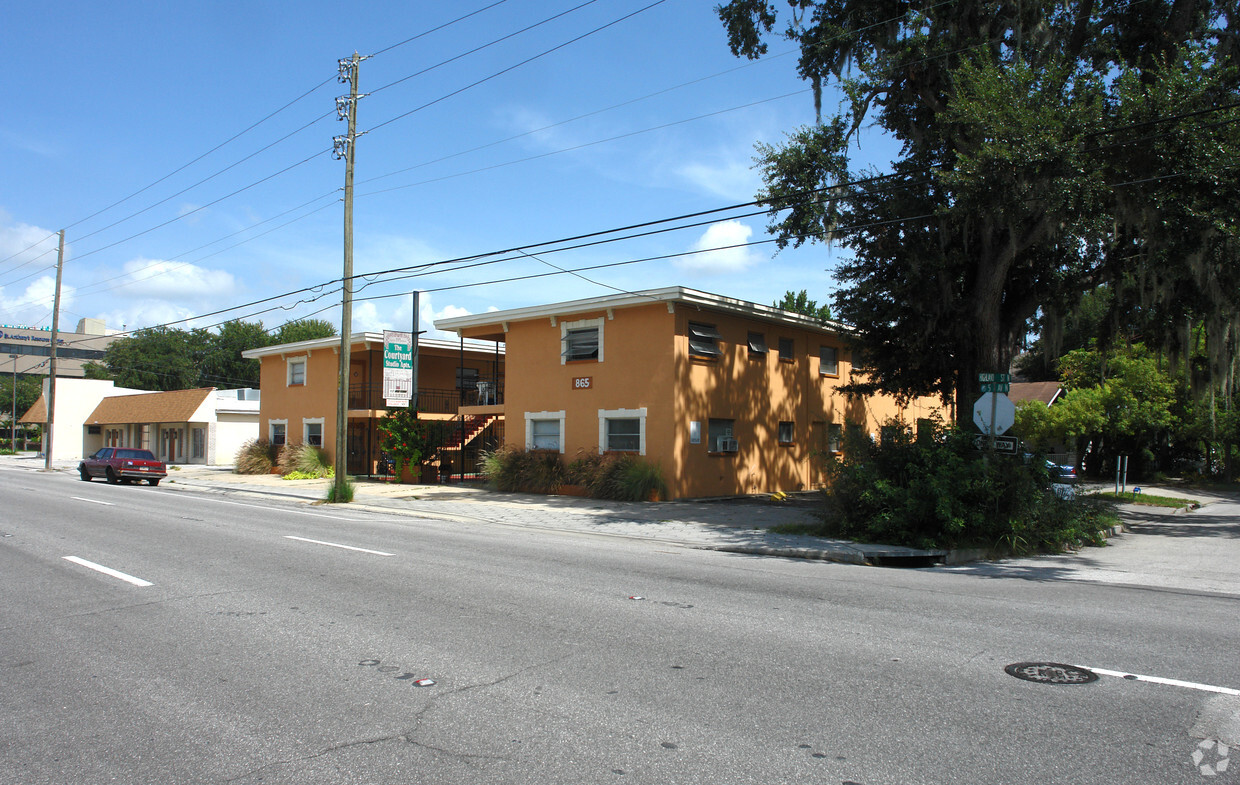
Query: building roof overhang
[[490, 325], [365, 339]]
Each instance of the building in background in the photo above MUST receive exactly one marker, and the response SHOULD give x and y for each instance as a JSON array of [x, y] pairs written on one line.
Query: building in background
[[31, 349]]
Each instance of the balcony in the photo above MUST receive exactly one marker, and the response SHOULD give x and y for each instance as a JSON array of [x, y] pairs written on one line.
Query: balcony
[[434, 401]]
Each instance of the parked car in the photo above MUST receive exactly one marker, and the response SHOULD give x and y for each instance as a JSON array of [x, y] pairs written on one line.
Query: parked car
[[122, 464], [1061, 472]]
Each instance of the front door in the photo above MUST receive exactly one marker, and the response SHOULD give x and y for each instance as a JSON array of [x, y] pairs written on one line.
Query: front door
[[359, 453]]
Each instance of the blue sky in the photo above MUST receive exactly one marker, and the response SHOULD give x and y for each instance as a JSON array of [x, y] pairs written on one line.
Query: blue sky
[[106, 100]]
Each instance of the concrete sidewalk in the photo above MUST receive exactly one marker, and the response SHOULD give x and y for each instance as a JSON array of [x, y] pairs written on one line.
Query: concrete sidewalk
[[739, 525]]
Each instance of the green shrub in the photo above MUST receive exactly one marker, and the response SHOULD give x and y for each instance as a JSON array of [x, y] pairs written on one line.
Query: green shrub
[[583, 468], [298, 475], [939, 492], [305, 459], [254, 457], [342, 494], [626, 478], [518, 471]]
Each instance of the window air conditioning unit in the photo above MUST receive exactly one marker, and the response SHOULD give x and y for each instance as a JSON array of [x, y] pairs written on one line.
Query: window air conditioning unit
[[727, 444]]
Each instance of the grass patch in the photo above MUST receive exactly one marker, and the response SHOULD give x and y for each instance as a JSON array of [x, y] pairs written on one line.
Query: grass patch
[[1150, 500], [345, 494]]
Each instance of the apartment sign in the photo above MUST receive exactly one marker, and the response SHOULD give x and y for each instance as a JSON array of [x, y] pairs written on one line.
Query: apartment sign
[[397, 367]]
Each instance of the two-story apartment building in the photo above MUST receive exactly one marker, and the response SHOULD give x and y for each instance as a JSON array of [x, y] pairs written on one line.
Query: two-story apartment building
[[727, 396], [300, 383]]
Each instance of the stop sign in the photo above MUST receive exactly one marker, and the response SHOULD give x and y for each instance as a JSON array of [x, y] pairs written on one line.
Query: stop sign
[[1001, 406]]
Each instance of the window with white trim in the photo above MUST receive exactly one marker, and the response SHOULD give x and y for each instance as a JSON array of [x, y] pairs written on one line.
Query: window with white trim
[[581, 340], [312, 431], [544, 431], [277, 432], [622, 430], [296, 371]]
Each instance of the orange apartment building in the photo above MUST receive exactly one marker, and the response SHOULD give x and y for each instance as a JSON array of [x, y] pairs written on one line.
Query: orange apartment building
[[299, 384], [727, 396]]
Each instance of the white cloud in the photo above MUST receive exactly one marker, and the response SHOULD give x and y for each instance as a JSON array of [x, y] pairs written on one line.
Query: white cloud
[[176, 281], [734, 180], [726, 259]]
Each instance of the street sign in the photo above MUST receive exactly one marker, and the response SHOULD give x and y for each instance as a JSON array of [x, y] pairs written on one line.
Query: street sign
[[994, 413], [1005, 378], [997, 387], [1008, 445]]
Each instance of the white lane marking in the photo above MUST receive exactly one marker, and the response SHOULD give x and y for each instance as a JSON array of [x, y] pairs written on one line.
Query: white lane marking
[[337, 545], [92, 501], [108, 571], [282, 509], [1192, 685]]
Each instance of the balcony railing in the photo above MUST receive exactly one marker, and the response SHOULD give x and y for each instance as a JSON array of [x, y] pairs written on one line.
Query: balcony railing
[[437, 401]]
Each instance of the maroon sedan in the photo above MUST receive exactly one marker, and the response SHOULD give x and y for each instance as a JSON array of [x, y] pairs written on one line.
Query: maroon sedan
[[122, 464]]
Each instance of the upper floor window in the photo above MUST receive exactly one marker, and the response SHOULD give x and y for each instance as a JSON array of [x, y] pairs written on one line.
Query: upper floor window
[[757, 344], [828, 361], [786, 349], [581, 344], [297, 371], [703, 340], [581, 340]]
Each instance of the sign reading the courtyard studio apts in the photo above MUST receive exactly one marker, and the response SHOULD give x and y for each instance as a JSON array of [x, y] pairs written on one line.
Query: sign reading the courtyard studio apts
[[397, 367]]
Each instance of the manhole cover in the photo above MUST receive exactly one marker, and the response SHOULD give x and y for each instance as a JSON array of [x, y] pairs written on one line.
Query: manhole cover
[[1051, 673]]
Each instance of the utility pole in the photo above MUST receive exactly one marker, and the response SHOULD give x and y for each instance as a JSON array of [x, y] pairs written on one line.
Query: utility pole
[[51, 379], [344, 147]]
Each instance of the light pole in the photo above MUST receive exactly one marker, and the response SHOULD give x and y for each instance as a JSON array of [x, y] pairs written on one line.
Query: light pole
[[13, 422]]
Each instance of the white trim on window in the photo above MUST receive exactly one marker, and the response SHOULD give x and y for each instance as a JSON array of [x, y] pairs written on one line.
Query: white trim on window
[[621, 414], [530, 417], [580, 324], [289, 363], [306, 422], [271, 431]]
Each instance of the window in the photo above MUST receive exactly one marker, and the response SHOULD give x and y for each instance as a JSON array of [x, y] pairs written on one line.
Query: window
[[581, 340], [888, 433], [312, 431], [466, 378], [198, 441], [835, 435], [719, 436], [277, 430], [757, 345], [622, 430], [786, 349], [787, 431], [544, 431], [828, 361], [297, 371], [703, 340]]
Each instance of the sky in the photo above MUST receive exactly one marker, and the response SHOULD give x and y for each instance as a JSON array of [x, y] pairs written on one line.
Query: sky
[[186, 150]]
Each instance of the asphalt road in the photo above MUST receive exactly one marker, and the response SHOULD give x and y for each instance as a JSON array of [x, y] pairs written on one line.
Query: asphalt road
[[262, 652]]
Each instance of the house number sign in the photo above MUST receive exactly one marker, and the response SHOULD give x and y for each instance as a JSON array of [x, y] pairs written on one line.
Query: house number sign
[[583, 382]]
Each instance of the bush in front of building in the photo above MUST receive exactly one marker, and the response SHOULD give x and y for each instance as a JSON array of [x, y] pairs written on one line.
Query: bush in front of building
[[937, 491], [305, 461], [257, 456], [615, 477], [520, 471]]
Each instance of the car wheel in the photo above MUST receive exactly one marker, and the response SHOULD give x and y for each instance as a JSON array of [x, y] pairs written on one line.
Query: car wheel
[[85, 475], [153, 481], [112, 478]]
